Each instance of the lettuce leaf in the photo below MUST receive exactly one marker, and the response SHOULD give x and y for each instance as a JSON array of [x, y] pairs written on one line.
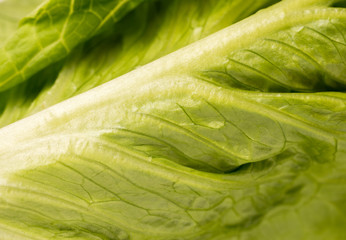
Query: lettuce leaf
[[12, 11], [51, 32], [152, 30], [241, 135]]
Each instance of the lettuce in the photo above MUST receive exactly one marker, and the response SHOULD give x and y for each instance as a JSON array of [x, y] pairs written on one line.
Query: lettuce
[[133, 42], [141, 129]]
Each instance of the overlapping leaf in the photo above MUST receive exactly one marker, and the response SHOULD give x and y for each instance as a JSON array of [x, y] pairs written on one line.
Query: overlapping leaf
[[177, 149], [50, 33], [153, 30]]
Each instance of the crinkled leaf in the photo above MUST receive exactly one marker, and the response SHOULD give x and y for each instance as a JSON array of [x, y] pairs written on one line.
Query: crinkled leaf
[[50, 33], [11, 12], [164, 153], [153, 30]]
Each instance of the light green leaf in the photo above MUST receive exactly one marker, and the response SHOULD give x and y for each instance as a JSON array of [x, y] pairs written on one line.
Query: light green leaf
[[153, 30], [194, 157], [164, 153], [11, 12], [50, 33], [296, 59]]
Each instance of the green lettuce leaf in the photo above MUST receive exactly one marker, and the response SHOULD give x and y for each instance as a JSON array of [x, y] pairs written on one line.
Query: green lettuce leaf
[[50, 33], [221, 139], [152, 30], [12, 11]]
